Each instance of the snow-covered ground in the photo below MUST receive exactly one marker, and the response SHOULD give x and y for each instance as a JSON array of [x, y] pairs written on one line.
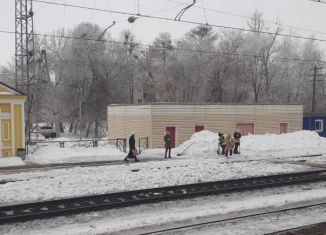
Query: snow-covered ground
[[260, 155], [203, 145], [35, 186], [11, 161], [132, 220]]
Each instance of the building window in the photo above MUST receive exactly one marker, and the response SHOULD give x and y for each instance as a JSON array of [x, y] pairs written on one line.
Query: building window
[[5, 130], [319, 125]]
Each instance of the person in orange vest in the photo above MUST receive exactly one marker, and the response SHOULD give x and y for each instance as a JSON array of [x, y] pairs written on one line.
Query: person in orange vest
[[222, 142], [236, 136]]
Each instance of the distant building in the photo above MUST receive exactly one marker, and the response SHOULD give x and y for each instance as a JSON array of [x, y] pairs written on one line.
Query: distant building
[[182, 120], [12, 128], [315, 122]]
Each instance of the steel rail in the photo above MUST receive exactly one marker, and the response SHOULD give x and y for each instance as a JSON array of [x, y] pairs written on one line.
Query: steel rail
[[313, 229], [68, 206], [283, 232]]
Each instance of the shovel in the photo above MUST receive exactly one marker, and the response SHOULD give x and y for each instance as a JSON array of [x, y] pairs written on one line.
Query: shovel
[[179, 154]]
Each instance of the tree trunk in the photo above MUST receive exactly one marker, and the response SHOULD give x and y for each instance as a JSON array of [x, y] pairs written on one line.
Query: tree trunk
[[96, 129], [88, 129]]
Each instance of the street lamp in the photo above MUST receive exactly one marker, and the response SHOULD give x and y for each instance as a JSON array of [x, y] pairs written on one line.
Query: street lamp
[[102, 34]]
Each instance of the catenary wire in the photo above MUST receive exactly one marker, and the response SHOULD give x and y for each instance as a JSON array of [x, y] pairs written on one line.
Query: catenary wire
[[248, 17], [174, 48], [184, 21]]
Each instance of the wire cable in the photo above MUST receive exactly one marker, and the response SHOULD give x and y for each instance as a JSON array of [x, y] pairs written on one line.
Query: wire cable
[[186, 21], [248, 17], [174, 48]]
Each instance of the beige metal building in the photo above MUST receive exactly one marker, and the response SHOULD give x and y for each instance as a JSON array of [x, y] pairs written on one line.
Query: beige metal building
[[182, 120]]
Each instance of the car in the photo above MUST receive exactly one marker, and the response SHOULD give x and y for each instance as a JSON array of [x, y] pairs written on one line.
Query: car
[[46, 131]]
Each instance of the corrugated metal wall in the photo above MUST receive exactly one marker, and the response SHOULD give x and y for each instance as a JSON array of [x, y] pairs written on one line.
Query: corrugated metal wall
[[122, 120], [184, 117]]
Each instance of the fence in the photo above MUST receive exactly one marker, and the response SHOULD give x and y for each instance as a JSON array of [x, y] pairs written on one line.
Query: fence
[[120, 143], [143, 143], [35, 145]]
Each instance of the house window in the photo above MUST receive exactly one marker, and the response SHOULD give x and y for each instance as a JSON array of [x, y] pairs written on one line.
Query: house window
[[319, 125], [5, 130]]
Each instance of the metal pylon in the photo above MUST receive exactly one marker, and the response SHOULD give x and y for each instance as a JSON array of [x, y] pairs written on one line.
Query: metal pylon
[[24, 45], [24, 54]]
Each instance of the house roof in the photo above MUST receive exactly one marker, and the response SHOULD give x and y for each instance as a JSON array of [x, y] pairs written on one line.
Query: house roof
[[8, 90]]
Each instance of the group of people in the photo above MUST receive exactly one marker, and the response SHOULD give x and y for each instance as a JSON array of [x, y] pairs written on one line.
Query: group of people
[[229, 144], [133, 152]]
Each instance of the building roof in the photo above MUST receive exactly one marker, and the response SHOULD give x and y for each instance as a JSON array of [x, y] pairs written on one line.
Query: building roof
[[194, 103], [8, 90], [315, 114]]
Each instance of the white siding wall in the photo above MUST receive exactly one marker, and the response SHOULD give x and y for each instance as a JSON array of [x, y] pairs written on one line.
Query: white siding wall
[[151, 120]]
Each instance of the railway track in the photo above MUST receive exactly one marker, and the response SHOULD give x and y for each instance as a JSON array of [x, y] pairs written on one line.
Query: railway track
[[54, 166], [314, 229], [63, 207]]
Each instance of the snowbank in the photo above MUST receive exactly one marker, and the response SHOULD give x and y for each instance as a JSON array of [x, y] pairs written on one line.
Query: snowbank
[[11, 161], [74, 152], [300, 143]]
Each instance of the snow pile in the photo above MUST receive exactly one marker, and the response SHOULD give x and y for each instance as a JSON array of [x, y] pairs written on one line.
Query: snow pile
[[200, 144], [300, 143], [11, 161]]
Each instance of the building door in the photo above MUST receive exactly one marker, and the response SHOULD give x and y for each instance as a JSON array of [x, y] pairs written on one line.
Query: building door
[[283, 128], [246, 128], [171, 129], [199, 128]]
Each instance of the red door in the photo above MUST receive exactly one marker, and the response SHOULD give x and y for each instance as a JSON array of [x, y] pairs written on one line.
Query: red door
[[245, 128], [199, 128], [171, 129], [283, 128]]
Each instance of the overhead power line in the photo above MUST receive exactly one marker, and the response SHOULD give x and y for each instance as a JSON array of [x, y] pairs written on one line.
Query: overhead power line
[[174, 48], [319, 1], [183, 21], [249, 17]]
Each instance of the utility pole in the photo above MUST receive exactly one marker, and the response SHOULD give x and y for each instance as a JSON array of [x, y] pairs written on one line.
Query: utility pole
[[315, 80], [24, 53]]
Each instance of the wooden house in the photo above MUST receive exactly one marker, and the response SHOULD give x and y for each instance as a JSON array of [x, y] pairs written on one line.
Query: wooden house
[[12, 128]]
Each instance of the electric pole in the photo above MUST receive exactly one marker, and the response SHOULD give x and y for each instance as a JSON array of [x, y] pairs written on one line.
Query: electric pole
[[314, 81], [24, 53]]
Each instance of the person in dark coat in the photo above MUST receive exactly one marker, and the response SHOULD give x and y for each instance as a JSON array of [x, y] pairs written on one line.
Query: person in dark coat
[[167, 141], [132, 147], [236, 136]]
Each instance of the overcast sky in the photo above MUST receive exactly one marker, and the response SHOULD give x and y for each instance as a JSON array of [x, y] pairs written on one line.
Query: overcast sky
[[299, 13]]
